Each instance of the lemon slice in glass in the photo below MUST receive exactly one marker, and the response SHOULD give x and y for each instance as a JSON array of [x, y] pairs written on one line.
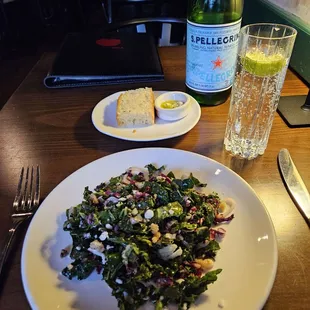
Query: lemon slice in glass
[[257, 63]]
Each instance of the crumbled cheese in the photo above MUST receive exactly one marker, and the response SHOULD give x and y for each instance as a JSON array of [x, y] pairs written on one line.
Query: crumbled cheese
[[170, 251], [87, 236], [108, 226], [111, 199], [96, 245], [171, 212], [104, 235], [119, 281], [110, 247], [149, 214], [70, 266], [177, 253], [78, 248]]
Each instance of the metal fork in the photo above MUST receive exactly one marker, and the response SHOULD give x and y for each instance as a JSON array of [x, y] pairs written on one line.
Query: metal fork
[[24, 206]]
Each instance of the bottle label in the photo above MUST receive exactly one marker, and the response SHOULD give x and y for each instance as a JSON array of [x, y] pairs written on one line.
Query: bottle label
[[211, 54]]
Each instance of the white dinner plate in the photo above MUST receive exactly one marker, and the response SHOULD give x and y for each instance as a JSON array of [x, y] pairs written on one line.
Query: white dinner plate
[[104, 119], [248, 254]]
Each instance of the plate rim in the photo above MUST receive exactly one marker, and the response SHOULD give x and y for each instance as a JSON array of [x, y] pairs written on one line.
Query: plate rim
[[180, 133], [274, 253]]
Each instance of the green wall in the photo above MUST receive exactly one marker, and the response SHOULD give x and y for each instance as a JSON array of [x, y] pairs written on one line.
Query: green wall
[[261, 11]]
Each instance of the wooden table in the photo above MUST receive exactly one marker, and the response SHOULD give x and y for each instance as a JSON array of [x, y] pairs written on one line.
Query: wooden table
[[53, 128]]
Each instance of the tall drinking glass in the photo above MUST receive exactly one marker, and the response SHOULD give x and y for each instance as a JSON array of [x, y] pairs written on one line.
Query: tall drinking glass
[[263, 57]]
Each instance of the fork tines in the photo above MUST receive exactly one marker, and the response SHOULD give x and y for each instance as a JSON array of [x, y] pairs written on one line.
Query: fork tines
[[27, 198]]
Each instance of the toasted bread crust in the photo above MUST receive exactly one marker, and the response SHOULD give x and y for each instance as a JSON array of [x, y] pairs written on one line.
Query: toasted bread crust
[[118, 110], [153, 103]]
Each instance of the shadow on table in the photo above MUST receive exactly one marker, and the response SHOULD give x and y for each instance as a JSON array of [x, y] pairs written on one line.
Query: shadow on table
[[217, 151], [237, 164], [91, 293], [210, 149], [89, 137]]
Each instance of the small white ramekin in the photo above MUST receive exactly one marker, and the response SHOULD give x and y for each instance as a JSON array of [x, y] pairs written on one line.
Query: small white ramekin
[[175, 113]]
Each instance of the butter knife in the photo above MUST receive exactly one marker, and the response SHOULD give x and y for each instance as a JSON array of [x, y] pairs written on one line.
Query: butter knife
[[294, 183]]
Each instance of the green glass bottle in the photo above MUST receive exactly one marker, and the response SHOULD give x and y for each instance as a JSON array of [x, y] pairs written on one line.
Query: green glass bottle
[[211, 49]]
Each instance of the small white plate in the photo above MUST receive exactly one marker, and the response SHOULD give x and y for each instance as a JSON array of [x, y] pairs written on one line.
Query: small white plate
[[104, 119], [248, 252]]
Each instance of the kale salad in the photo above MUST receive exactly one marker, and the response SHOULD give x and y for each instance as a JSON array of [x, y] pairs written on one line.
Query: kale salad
[[152, 236]]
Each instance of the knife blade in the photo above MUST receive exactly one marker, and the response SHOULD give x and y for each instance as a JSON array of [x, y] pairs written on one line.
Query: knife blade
[[294, 183]]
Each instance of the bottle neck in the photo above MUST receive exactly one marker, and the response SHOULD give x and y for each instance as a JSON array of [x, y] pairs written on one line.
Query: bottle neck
[[214, 11]]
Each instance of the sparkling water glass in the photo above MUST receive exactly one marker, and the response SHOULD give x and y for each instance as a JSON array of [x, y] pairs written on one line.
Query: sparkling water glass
[[263, 56]]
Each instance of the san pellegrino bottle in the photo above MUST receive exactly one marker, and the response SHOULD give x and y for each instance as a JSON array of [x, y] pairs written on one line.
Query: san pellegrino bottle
[[211, 52]]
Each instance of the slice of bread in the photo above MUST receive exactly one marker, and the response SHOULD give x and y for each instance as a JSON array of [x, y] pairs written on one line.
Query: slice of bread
[[135, 108]]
